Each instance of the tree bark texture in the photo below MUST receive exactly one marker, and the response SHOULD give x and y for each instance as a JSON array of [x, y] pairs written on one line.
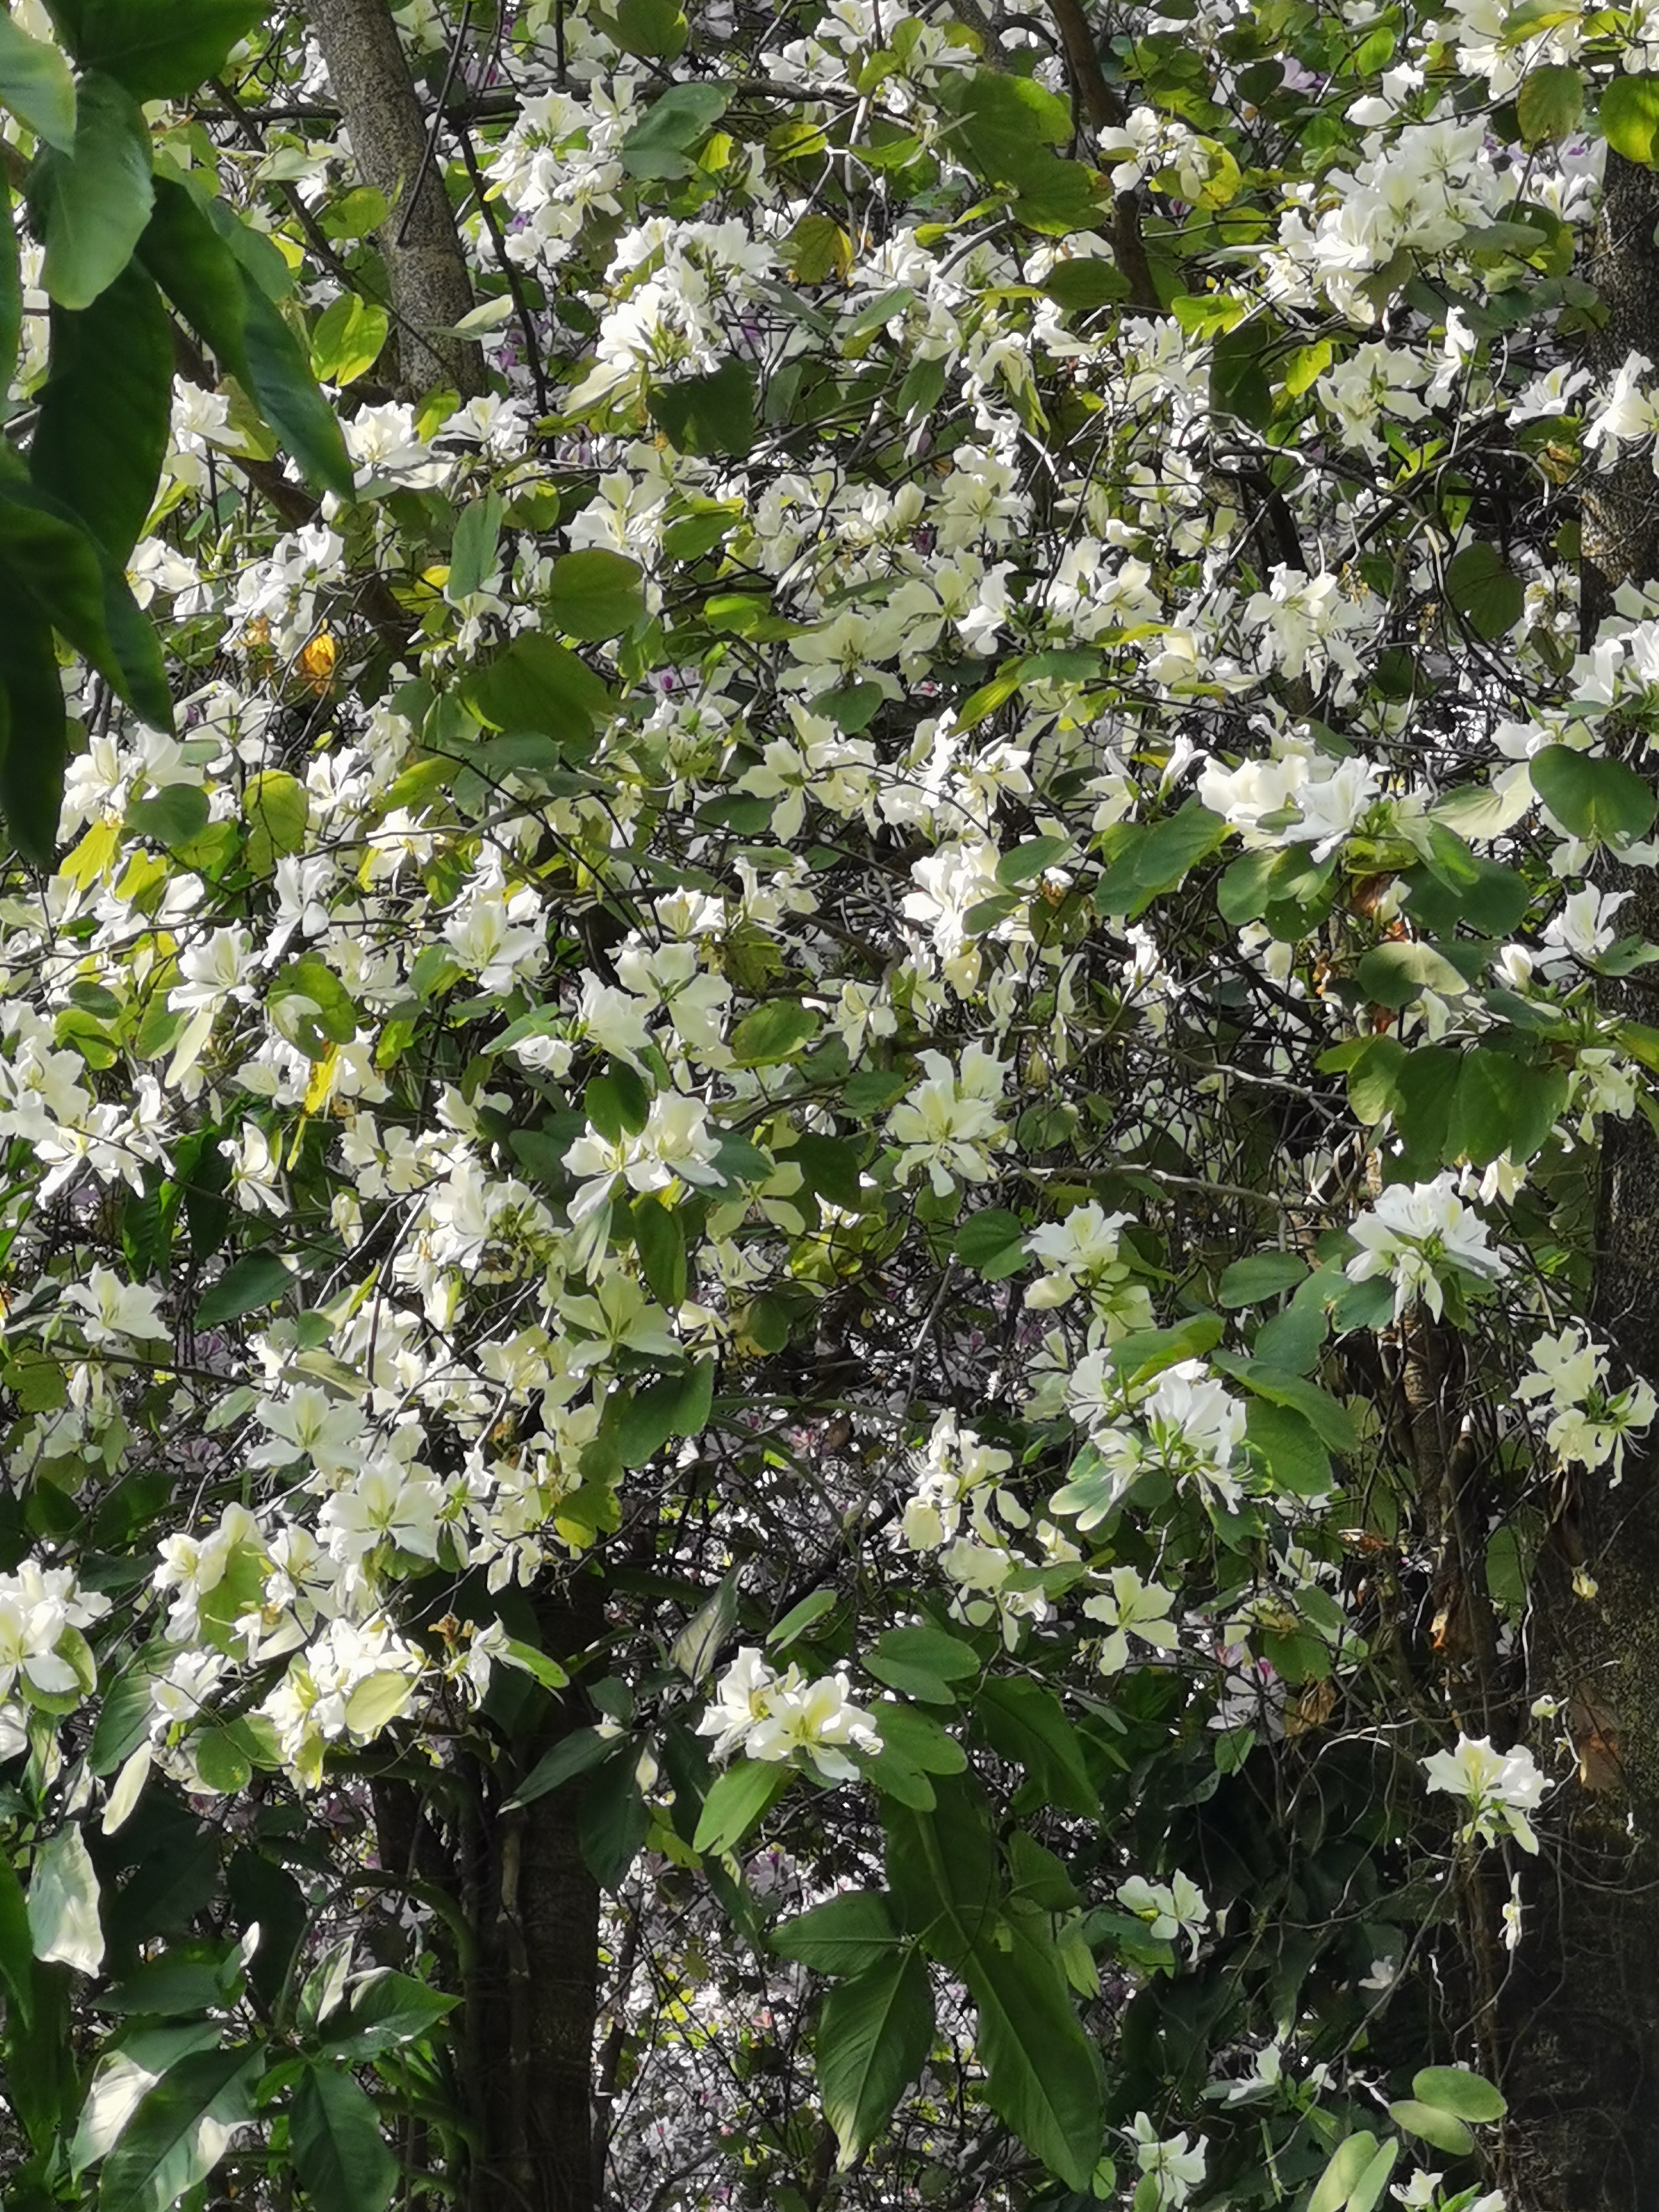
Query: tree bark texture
[[1582, 2007], [431, 288], [532, 1998]]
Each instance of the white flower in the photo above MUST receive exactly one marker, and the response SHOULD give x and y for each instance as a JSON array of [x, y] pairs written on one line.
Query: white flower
[[382, 1505], [676, 1143], [948, 1124], [1417, 1233], [494, 937], [816, 1718], [1175, 2168], [1502, 1786], [213, 970], [741, 1702], [1132, 1608], [1584, 925], [770, 1716], [1169, 1909], [114, 1309]]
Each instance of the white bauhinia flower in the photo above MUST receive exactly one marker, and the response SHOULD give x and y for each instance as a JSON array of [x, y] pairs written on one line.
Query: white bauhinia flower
[[113, 1308], [1500, 1787], [1419, 1234]]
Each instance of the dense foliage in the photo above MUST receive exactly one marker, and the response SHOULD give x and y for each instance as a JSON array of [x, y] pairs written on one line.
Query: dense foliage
[[814, 1085]]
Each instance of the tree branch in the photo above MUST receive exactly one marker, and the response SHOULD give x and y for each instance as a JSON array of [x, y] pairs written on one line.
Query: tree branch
[[431, 288]]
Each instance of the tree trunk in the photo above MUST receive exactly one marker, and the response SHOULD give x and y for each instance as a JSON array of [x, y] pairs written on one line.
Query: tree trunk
[[1582, 2010], [431, 288], [533, 1999]]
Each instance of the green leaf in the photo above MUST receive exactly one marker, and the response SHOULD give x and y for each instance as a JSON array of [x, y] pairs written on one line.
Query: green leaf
[[33, 734], [656, 30], [1089, 282], [16, 1945], [1550, 103], [1367, 2192], [159, 51], [1043, 2073], [847, 1936], [1030, 859], [1453, 2089], [221, 299], [1504, 1104], [799, 1618], [105, 409], [917, 1738], [922, 1662], [221, 1760], [472, 551], [1288, 1442], [123, 1722], [1393, 975], [1331, 1421], [94, 201], [51, 562], [1629, 115], [698, 1645], [613, 1819], [1599, 800], [277, 811], [1263, 1275], [257, 1279], [1485, 592], [712, 414], [1433, 2125], [942, 1870], [348, 339], [831, 1167], [873, 2036], [63, 1904], [1156, 860], [677, 1406], [539, 684], [659, 144], [1239, 383], [11, 287], [1004, 131], [311, 1006], [35, 84], [659, 1238], [1342, 2176], [174, 2137], [774, 1032], [388, 2008], [737, 1800], [594, 594], [574, 1755], [172, 817], [335, 2141], [1024, 1722], [993, 1242]]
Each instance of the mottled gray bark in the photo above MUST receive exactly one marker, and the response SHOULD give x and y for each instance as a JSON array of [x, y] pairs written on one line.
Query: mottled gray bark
[[431, 289], [1582, 2010]]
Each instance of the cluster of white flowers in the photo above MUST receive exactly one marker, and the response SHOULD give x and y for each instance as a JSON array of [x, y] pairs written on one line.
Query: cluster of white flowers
[[1589, 1423], [1187, 1427], [1420, 1236], [45, 1662], [997, 1557], [1084, 1253], [773, 1716]]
